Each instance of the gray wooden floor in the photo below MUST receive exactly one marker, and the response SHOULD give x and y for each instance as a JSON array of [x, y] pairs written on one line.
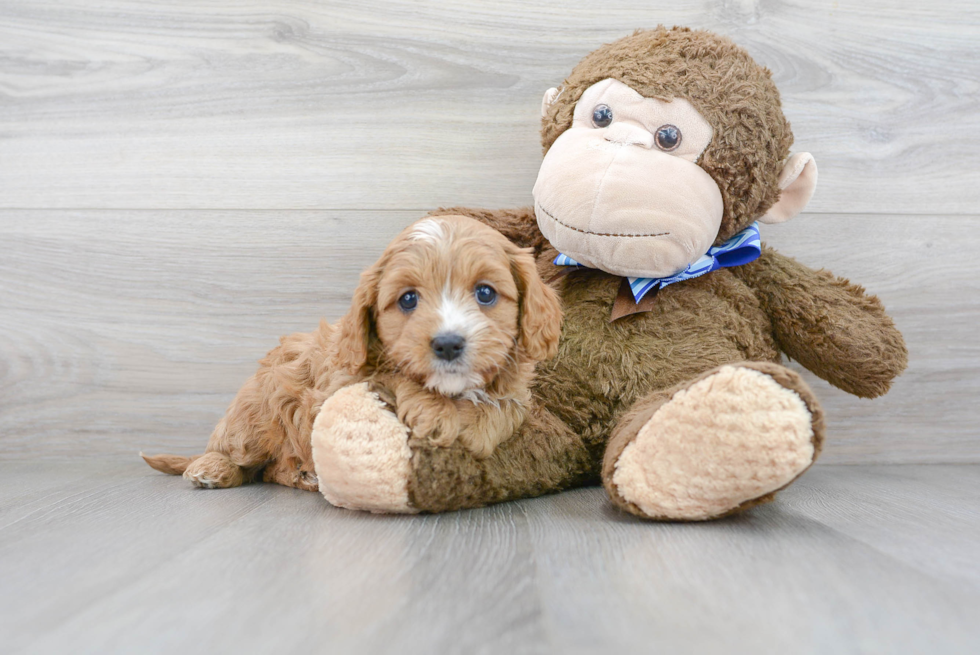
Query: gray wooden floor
[[113, 557]]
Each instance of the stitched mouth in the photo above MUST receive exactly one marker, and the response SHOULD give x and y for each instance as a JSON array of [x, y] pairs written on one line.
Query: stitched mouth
[[596, 234]]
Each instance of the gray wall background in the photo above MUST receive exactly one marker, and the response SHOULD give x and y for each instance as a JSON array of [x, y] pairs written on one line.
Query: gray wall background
[[183, 182]]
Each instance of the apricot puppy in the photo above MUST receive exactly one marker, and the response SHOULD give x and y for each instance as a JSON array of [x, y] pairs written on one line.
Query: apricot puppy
[[446, 327]]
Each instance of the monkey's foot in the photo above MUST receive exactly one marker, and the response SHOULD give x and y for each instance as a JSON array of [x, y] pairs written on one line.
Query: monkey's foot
[[361, 453], [720, 444]]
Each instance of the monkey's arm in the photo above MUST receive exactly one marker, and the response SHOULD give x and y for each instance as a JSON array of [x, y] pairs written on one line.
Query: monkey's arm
[[518, 225], [828, 324]]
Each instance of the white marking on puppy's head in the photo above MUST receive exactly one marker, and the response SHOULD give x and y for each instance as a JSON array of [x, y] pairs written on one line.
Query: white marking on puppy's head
[[458, 316], [431, 230]]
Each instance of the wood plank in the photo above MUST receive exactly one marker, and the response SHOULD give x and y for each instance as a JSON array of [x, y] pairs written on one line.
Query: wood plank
[[271, 566], [772, 580], [401, 104], [137, 561], [882, 506], [131, 330]]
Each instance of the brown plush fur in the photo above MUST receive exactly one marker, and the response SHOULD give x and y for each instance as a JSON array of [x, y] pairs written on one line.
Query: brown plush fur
[[607, 372], [268, 426], [856, 347]]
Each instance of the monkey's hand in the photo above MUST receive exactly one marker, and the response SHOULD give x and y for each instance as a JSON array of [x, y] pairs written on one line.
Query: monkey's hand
[[829, 325]]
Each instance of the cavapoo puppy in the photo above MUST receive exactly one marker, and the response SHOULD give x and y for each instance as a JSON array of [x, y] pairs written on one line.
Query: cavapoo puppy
[[446, 327]]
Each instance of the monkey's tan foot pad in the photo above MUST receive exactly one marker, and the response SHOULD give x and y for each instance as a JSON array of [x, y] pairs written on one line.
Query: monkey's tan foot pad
[[730, 438], [214, 471], [361, 453]]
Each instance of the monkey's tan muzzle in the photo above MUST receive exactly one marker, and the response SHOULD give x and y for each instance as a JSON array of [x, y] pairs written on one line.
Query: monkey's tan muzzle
[[622, 206]]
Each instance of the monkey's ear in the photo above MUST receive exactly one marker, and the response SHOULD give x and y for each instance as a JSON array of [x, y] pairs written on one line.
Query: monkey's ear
[[549, 97], [797, 182]]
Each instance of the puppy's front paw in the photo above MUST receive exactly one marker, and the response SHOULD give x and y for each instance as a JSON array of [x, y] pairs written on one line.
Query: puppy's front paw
[[431, 423], [361, 453], [480, 442], [485, 426]]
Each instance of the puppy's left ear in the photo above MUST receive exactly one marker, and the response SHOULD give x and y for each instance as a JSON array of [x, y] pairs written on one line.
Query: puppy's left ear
[[540, 308]]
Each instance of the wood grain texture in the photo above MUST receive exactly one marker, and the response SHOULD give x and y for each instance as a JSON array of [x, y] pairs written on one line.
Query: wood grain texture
[[100, 557], [130, 330], [403, 104]]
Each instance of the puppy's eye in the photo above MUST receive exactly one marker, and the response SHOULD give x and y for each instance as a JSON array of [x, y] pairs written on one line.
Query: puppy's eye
[[602, 116], [667, 137], [408, 301], [485, 294]]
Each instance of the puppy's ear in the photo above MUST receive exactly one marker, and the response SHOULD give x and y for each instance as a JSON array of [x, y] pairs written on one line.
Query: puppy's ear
[[540, 307], [355, 330]]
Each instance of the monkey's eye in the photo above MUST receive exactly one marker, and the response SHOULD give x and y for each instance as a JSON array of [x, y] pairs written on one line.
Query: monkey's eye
[[602, 116], [408, 300], [485, 294], [667, 137]]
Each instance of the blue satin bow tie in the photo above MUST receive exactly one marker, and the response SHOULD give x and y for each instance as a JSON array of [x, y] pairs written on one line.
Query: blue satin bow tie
[[744, 247]]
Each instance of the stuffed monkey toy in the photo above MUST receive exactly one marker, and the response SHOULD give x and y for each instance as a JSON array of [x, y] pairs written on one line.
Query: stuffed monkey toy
[[663, 152]]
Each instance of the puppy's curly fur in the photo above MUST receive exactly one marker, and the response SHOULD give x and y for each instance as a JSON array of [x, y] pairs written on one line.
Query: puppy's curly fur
[[478, 397]]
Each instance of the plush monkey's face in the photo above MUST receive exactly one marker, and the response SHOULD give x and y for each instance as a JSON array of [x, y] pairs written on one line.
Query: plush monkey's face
[[621, 191], [641, 186]]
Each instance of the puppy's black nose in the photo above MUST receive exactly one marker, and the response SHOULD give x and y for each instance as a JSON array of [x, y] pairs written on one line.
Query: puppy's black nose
[[448, 346]]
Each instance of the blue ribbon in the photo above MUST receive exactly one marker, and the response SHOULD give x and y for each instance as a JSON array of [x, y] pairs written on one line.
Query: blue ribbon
[[744, 247]]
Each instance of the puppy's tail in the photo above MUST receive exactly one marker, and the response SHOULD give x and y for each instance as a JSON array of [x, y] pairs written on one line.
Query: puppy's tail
[[172, 464]]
